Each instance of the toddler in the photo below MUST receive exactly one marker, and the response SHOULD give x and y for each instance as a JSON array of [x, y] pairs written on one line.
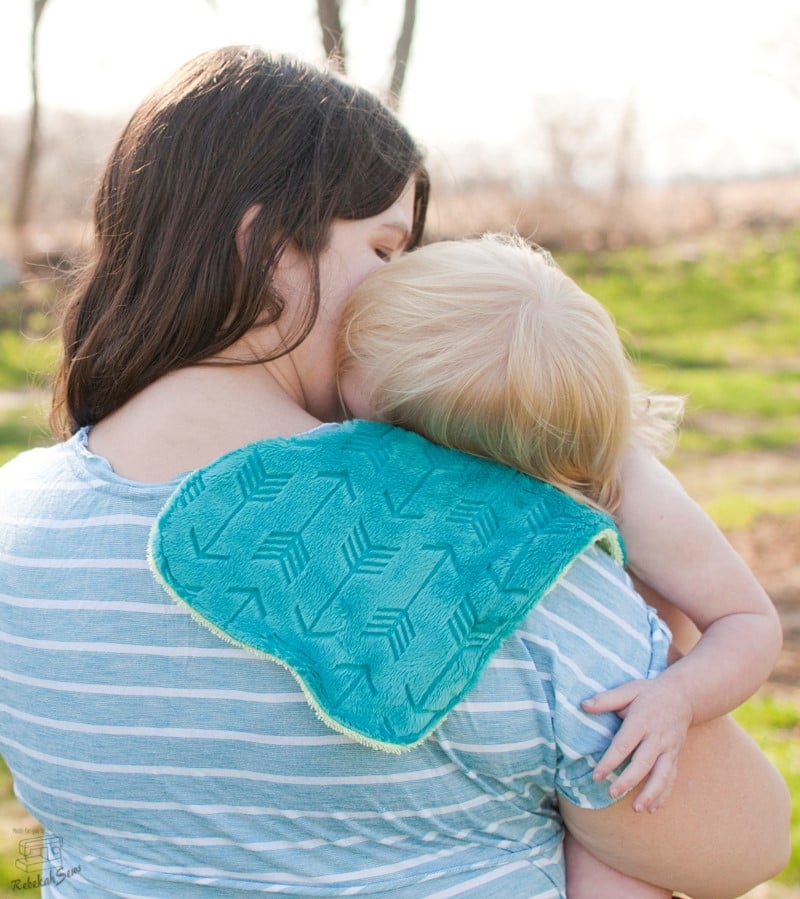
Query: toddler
[[486, 346]]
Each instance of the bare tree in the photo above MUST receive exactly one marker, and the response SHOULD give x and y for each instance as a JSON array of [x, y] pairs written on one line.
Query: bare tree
[[329, 13], [401, 53], [573, 139], [593, 167], [31, 153], [625, 166]]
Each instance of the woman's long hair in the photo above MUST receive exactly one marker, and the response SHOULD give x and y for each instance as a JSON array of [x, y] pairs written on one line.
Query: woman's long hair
[[165, 287]]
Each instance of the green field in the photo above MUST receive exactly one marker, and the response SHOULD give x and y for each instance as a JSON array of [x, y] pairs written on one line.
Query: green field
[[723, 329], [719, 323], [775, 725]]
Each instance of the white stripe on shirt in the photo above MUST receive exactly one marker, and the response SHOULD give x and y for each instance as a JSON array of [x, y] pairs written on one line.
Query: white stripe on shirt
[[78, 523], [290, 814], [163, 692], [42, 562], [180, 733], [132, 648], [232, 773], [94, 605]]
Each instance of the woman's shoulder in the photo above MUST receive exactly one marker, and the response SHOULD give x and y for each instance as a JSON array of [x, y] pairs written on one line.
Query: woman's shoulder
[[39, 478], [189, 418], [593, 628], [40, 464]]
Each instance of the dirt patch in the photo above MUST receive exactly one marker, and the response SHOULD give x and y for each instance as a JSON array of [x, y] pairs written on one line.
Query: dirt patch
[[772, 474], [770, 544], [771, 547]]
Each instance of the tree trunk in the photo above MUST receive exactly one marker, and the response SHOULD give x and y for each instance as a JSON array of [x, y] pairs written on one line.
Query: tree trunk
[[625, 174], [28, 166], [329, 13], [401, 53]]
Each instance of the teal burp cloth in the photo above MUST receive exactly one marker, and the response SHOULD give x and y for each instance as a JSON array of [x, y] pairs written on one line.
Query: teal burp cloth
[[382, 570]]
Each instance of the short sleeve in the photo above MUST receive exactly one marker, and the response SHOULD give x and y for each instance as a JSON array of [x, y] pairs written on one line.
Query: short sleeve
[[591, 633]]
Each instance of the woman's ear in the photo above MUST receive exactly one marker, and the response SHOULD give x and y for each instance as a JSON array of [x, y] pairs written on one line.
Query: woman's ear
[[243, 229]]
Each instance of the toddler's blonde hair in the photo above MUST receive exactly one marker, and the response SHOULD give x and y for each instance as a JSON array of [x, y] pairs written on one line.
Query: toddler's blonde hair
[[486, 346]]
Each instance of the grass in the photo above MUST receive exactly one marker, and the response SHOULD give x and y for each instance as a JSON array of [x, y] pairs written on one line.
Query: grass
[[719, 325], [775, 725], [723, 329], [21, 429], [26, 361], [734, 511], [15, 826], [28, 344]]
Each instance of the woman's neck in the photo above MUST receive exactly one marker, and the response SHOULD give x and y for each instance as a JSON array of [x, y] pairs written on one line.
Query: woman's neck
[[192, 416]]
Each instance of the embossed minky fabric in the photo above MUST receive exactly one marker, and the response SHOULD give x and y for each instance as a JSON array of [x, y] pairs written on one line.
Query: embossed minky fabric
[[382, 570]]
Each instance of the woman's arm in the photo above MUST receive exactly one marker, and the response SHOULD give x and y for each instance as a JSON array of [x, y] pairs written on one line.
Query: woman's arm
[[587, 877], [724, 830]]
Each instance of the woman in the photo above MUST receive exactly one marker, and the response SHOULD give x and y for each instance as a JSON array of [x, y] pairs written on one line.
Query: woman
[[242, 204]]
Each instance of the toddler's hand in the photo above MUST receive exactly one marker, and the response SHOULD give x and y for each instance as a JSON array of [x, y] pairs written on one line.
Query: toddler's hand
[[656, 716]]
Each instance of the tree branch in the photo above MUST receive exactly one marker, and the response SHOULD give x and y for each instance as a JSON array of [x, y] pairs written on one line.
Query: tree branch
[[329, 13], [29, 159], [401, 54]]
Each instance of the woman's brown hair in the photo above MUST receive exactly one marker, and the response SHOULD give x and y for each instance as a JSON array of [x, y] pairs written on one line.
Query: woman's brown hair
[[165, 286]]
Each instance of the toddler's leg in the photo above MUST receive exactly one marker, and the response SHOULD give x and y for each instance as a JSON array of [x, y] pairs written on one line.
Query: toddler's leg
[[589, 878]]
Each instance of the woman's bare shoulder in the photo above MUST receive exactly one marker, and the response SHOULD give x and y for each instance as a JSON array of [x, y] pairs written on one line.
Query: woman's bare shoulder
[[191, 417]]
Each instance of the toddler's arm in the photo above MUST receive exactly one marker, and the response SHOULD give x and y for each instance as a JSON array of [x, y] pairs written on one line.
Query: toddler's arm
[[675, 548]]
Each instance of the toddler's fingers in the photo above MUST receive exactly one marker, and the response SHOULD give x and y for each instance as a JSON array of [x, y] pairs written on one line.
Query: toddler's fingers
[[640, 766], [611, 700], [658, 785], [624, 744]]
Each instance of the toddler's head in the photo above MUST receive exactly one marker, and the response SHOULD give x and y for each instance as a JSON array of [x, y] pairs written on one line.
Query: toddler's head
[[486, 346]]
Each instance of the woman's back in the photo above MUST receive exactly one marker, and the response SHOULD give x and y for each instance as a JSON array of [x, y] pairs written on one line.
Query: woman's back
[[163, 757]]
